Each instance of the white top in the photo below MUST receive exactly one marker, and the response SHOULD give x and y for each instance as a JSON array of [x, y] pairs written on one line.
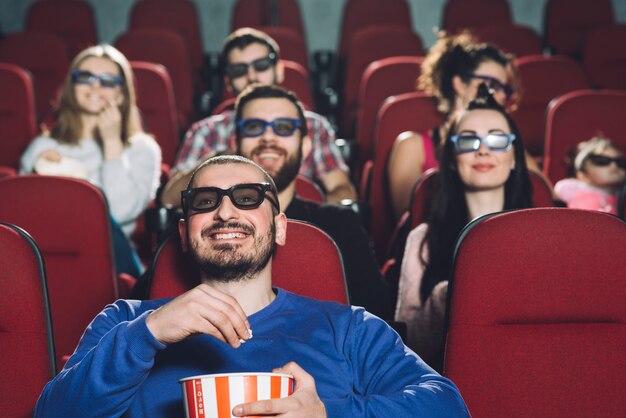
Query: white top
[[129, 182]]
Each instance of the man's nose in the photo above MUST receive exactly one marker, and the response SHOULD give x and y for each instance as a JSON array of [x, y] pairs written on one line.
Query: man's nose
[[226, 210]]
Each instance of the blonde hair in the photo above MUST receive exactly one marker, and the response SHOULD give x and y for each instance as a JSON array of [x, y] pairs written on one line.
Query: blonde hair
[[69, 126], [595, 145]]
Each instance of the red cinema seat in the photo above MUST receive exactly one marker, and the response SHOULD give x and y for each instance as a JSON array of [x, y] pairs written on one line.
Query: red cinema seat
[[382, 78], [72, 20], [18, 123], [165, 47], [26, 345], [537, 328], [155, 99], [262, 13], [416, 111], [368, 45], [543, 78], [567, 23], [180, 16], [604, 57], [308, 189], [69, 220], [578, 116], [474, 14], [308, 250], [45, 55], [360, 14], [511, 38]]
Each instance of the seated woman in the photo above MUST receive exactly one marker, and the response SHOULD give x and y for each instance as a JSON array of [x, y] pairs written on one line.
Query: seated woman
[[452, 71], [482, 171], [98, 137], [600, 170]]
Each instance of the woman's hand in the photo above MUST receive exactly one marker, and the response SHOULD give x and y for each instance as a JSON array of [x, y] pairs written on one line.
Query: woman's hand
[[50, 155], [109, 125]]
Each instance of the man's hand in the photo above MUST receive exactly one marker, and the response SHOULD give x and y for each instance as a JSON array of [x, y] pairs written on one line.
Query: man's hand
[[202, 310], [303, 403]]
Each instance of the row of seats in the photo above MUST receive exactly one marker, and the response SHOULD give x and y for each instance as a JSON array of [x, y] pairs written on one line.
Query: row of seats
[[564, 308], [570, 118]]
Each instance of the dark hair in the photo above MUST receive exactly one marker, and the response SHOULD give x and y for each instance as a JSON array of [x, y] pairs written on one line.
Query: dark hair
[[235, 159], [259, 91], [459, 56], [243, 37], [449, 213]]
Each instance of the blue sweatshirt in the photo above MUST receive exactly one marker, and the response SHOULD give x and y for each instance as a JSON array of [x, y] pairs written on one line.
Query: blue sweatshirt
[[360, 365]]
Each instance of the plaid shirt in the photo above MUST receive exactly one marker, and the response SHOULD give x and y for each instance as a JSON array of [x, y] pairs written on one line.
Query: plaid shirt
[[217, 134]]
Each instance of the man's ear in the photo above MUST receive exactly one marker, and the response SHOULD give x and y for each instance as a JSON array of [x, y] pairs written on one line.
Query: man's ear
[[182, 232], [459, 85], [307, 145], [580, 175], [280, 222], [280, 72], [228, 84]]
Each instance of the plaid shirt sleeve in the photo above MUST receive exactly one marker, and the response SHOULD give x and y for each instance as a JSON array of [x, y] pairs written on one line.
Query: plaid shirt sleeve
[[324, 156], [205, 138]]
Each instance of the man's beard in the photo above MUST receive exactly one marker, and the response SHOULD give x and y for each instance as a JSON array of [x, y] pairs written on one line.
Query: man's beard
[[289, 170], [225, 262]]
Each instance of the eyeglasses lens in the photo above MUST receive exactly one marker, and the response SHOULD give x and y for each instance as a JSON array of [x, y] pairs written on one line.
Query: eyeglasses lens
[[106, 80], [281, 127], [603, 161], [241, 69]]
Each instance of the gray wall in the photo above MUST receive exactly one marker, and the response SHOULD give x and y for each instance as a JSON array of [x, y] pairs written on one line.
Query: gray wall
[[322, 18]]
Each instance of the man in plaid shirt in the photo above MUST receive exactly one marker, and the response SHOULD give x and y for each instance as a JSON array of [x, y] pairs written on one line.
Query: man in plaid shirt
[[251, 56]]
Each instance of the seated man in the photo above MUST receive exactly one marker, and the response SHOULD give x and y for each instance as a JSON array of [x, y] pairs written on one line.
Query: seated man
[[279, 149], [345, 362], [251, 56]]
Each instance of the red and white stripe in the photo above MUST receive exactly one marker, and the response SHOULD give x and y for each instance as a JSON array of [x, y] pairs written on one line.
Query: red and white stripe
[[215, 396]]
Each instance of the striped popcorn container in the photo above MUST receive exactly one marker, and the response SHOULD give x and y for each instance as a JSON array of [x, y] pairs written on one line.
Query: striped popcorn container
[[215, 395]]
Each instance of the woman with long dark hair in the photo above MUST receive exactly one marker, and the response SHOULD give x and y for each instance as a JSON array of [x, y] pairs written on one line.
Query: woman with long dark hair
[[482, 170]]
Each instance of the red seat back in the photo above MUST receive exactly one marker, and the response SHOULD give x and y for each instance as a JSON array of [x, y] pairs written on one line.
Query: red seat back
[[567, 22], [604, 57], [165, 47], [155, 99], [308, 264], [416, 111], [359, 14], [511, 38], [381, 79], [263, 13], [368, 45], [26, 347], [537, 327], [180, 16], [473, 14], [308, 189], [543, 78], [292, 44], [578, 116], [69, 220], [72, 20], [17, 113], [45, 55]]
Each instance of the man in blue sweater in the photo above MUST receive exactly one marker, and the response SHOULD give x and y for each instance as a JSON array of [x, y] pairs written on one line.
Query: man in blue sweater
[[345, 361]]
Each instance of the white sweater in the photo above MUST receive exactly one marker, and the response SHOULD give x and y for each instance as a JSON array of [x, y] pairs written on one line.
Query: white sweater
[[129, 182]]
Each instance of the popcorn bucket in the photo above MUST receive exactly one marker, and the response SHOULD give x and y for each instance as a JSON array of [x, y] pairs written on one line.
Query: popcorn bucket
[[215, 395]]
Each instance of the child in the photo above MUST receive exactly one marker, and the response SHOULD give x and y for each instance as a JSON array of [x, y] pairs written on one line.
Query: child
[[600, 170]]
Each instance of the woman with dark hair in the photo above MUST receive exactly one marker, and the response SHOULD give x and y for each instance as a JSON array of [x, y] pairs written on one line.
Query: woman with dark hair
[[483, 170], [452, 71], [98, 137]]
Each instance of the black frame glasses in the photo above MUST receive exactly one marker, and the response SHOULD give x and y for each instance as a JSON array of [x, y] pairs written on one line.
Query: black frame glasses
[[604, 160], [241, 68], [87, 77], [493, 84], [245, 196], [253, 127], [499, 142]]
